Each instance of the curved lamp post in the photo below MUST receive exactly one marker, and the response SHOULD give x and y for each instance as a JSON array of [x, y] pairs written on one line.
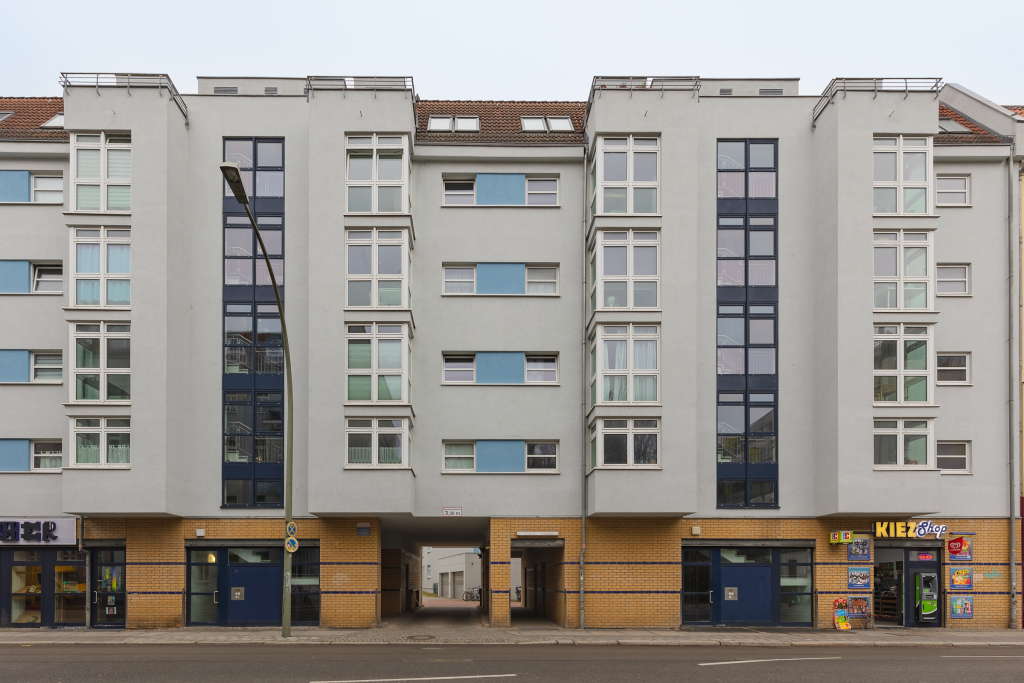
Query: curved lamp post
[[233, 176]]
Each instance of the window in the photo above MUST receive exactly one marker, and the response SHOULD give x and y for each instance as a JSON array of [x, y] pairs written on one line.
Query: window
[[439, 124], [541, 455], [533, 124], [953, 190], [244, 264], [953, 368], [6, 114], [547, 124], [375, 442], [460, 457], [103, 266], [267, 155], [457, 192], [47, 366], [377, 172], [949, 125], [542, 280], [902, 169], [376, 268], [747, 168], [102, 441], [629, 171], [746, 251], [902, 444], [102, 171], [747, 339], [953, 279], [902, 270], [102, 362], [953, 456], [747, 426], [542, 369], [542, 191], [460, 369], [48, 278], [254, 435], [628, 359], [902, 367], [246, 353], [626, 443], [460, 280], [376, 363], [47, 455], [629, 266], [48, 189], [467, 124]]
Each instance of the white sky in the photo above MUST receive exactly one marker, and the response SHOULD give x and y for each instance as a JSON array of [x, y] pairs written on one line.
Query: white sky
[[519, 49]]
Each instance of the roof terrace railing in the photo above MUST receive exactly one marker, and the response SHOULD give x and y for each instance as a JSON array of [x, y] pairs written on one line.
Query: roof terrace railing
[[374, 83], [124, 80], [640, 83], [876, 85]]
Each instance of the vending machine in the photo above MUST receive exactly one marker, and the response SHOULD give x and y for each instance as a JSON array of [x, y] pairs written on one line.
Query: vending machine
[[927, 598]]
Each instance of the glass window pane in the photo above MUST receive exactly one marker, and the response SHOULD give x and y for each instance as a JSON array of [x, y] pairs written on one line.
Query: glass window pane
[[615, 294], [389, 388], [885, 388], [762, 243], [87, 387], [645, 449], [914, 166], [731, 185], [761, 360], [886, 295], [885, 354], [731, 448], [118, 449], [389, 292], [645, 166], [615, 388], [732, 155], [732, 361], [238, 271], [119, 164], [119, 353], [360, 167], [119, 197], [359, 353], [87, 258], [269, 154], [885, 262], [389, 260], [360, 199], [645, 388], [732, 492], [915, 261], [87, 352], [762, 450], [389, 449], [916, 388], [915, 449], [732, 420], [359, 388], [615, 200], [615, 449], [762, 155], [87, 449], [762, 273], [762, 331], [645, 294], [614, 166], [263, 275], [360, 449], [615, 351], [762, 185], [916, 357], [359, 293], [731, 331], [645, 200], [762, 493], [915, 295], [389, 354], [885, 167], [615, 261], [762, 419], [731, 273], [731, 244], [238, 242], [885, 200], [915, 200], [389, 199]]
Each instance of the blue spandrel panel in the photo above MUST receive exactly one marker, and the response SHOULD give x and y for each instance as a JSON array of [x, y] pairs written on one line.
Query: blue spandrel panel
[[500, 368], [15, 277], [14, 455], [501, 456], [501, 278], [14, 186], [500, 189], [14, 365]]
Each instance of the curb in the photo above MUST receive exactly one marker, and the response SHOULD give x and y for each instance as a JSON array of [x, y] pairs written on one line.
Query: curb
[[556, 641]]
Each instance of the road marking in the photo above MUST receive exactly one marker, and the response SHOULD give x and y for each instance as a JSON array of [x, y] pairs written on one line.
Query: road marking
[[758, 661], [432, 678]]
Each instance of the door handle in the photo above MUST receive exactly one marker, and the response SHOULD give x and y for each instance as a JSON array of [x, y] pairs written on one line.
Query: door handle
[[711, 597], [95, 597], [215, 597]]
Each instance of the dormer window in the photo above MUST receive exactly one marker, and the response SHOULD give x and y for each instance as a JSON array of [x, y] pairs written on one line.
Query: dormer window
[[6, 115], [547, 124], [439, 124], [467, 124], [560, 124], [947, 125], [56, 122], [534, 124]]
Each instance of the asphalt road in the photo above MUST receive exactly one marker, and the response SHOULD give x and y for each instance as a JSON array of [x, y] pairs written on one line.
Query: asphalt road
[[503, 664]]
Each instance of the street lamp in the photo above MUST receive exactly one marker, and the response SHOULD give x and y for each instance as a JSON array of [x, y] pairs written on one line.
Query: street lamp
[[233, 176]]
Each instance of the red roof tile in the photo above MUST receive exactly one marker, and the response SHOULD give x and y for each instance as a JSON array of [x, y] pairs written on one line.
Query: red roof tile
[[499, 121], [29, 114], [1015, 108], [977, 136]]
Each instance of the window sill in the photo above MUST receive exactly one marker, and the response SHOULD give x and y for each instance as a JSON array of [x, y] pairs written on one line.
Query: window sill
[[97, 308], [894, 404], [32, 472], [31, 293], [525, 472], [887, 468], [627, 215], [501, 206], [954, 384], [623, 309], [98, 213], [501, 384], [962, 296], [905, 311], [376, 309], [617, 404], [518, 296], [98, 404], [904, 215], [626, 467], [953, 206], [31, 204], [404, 468], [370, 213], [50, 384], [956, 473], [97, 467], [397, 404]]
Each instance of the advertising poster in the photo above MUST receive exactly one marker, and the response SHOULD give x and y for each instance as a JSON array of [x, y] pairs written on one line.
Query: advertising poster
[[961, 607], [961, 578], [961, 548], [859, 606], [859, 550], [858, 577]]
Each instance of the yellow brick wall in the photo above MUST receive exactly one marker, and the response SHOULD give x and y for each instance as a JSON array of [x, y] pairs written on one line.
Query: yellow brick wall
[[350, 574], [399, 580]]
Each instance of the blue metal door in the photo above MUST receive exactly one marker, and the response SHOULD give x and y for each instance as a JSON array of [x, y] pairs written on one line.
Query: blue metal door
[[746, 594], [254, 594]]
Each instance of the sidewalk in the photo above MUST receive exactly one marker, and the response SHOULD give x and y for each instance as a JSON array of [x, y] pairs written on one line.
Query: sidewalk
[[737, 637]]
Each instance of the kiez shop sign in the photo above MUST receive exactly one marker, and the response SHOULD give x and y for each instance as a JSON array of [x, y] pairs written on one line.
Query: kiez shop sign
[[909, 529], [38, 531]]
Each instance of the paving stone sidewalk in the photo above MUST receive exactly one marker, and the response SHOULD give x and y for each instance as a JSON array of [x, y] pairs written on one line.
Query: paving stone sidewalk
[[736, 637]]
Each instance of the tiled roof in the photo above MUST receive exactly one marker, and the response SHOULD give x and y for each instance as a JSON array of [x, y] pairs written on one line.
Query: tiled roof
[[1015, 108], [29, 114], [977, 136], [499, 121]]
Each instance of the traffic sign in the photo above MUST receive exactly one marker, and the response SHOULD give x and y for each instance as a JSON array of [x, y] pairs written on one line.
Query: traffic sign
[[291, 529], [291, 545]]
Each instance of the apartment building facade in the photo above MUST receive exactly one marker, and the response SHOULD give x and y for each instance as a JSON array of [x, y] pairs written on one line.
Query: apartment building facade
[[663, 347]]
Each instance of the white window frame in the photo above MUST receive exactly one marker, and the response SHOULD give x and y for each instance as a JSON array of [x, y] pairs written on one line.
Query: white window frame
[[36, 365], [901, 337], [540, 281], [353, 144], [900, 184], [541, 470], [536, 356], [967, 469], [375, 241], [966, 279], [445, 192], [967, 369], [375, 336], [966, 177], [445, 279], [599, 279], [83, 141], [104, 429], [105, 333], [537, 193], [552, 129], [630, 336], [533, 120], [902, 244], [34, 455], [37, 277], [432, 128], [629, 184], [475, 127], [38, 192], [375, 430], [444, 368], [445, 456], [630, 430], [901, 431], [104, 240]]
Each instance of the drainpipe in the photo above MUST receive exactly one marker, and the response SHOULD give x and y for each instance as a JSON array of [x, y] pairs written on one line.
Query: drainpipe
[[583, 512], [1011, 363], [88, 571]]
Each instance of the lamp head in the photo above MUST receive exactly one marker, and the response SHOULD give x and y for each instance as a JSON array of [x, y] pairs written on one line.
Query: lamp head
[[233, 176]]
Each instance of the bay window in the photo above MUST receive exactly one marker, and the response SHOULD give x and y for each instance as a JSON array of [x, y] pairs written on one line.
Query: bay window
[[629, 171], [376, 266], [376, 442], [903, 367], [377, 172], [624, 364], [377, 362], [102, 172], [903, 443], [103, 266], [625, 443], [903, 273], [629, 266], [902, 175], [102, 362]]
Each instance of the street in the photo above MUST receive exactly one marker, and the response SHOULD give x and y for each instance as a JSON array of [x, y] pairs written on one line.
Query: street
[[291, 663]]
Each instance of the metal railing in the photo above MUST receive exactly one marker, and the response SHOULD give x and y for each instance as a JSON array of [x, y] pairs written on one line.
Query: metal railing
[[640, 83], [374, 83], [876, 85], [124, 80]]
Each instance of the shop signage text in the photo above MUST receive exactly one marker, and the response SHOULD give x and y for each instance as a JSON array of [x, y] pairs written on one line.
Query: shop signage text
[[908, 529], [37, 531]]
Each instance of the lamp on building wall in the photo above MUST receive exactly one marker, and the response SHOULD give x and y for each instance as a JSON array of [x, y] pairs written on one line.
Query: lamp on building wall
[[233, 176]]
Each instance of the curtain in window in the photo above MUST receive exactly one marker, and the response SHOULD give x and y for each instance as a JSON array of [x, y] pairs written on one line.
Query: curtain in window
[[389, 449], [359, 388], [119, 197], [458, 456], [88, 260], [358, 353], [87, 292], [119, 258], [118, 449], [119, 292], [88, 165], [645, 388], [389, 354], [645, 355], [389, 293], [615, 354], [359, 449], [87, 448], [615, 388]]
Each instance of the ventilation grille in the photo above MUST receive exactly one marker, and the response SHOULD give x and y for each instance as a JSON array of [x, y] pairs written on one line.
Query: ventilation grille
[[725, 91], [269, 91], [225, 90], [770, 92]]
